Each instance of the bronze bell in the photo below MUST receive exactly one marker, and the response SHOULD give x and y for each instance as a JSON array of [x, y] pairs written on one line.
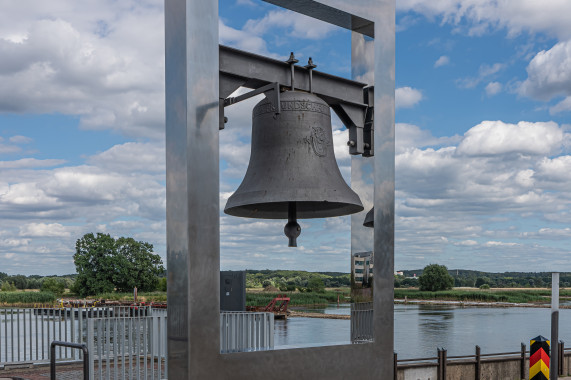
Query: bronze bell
[[292, 171], [370, 218]]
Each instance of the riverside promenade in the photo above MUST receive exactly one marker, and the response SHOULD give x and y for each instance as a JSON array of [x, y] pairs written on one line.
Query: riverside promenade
[[63, 372], [75, 372]]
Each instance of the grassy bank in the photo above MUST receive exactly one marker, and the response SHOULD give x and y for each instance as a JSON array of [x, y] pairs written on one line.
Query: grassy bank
[[25, 298], [476, 295], [141, 297], [297, 299]]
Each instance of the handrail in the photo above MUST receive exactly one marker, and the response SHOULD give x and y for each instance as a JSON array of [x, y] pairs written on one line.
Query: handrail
[[83, 347]]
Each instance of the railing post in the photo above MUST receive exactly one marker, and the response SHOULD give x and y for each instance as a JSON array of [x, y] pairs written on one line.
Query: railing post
[[478, 364], [439, 368], [561, 353], [395, 366], [522, 363], [444, 356]]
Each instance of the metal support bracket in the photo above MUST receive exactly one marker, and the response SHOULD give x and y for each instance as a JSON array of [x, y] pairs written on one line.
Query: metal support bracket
[[352, 101], [274, 96], [369, 127]]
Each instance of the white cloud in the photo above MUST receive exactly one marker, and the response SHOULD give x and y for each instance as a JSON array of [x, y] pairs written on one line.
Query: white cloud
[[493, 88], [497, 137], [44, 230], [442, 61], [564, 105], [241, 39], [111, 80], [485, 71], [407, 97], [409, 136], [20, 139], [296, 25], [467, 243], [30, 163], [132, 157], [549, 73], [481, 16]]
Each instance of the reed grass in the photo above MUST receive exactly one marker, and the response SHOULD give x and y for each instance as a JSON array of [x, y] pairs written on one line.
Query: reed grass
[[21, 298], [296, 298], [512, 296]]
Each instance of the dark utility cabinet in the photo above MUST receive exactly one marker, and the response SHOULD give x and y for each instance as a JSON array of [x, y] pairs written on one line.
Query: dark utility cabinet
[[233, 291]]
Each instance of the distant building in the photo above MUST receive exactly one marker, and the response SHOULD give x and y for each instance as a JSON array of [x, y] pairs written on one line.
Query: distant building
[[399, 273], [362, 267]]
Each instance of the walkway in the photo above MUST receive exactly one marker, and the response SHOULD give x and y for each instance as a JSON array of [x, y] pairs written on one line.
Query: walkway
[[64, 372]]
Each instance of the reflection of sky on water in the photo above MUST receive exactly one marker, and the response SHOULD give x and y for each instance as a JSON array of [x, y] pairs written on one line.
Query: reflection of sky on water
[[341, 309], [303, 332], [421, 329]]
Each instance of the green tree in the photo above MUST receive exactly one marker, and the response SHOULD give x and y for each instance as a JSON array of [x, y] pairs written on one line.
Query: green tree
[[435, 277], [316, 284], [8, 286], [104, 264], [54, 285]]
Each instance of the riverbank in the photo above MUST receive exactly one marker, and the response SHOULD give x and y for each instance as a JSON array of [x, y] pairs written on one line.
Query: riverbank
[[475, 303], [528, 296]]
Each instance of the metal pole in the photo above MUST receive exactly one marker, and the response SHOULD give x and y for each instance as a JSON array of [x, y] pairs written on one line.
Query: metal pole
[[478, 363], [395, 366], [522, 363], [554, 367]]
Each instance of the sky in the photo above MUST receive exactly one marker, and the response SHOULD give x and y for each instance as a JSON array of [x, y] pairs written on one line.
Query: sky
[[483, 118]]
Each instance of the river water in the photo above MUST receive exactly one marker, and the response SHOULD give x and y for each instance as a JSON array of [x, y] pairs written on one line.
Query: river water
[[420, 329]]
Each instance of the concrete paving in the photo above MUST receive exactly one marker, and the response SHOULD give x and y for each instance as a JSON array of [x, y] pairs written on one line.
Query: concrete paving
[[66, 372]]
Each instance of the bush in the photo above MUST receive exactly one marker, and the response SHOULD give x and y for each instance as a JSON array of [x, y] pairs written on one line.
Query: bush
[[484, 286], [162, 285], [316, 284], [54, 285], [8, 287]]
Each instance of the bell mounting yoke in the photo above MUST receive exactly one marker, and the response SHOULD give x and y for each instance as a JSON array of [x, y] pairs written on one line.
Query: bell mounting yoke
[[352, 101]]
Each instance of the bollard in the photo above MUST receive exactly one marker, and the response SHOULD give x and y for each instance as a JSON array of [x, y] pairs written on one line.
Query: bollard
[[539, 358]]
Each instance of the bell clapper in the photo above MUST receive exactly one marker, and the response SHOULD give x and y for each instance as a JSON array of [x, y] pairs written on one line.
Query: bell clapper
[[310, 66], [292, 229]]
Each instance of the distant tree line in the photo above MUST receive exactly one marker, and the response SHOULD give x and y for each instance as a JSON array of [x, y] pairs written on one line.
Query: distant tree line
[[477, 279], [291, 280], [47, 283]]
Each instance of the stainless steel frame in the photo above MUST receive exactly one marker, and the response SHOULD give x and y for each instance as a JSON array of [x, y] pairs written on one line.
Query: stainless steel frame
[[193, 239]]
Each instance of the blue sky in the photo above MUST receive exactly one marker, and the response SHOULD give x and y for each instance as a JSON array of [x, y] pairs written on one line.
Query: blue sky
[[483, 166]]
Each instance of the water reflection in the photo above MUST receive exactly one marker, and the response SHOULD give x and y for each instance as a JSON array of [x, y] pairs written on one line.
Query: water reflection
[[420, 329]]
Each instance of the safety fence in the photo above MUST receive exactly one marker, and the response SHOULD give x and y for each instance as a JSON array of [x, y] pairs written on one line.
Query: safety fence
[[246, 331], [128, 348], [476, 366], [361, 322], [26, 333], [122, 342]]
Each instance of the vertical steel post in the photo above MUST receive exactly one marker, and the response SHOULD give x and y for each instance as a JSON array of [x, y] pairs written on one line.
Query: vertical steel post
[[522, 362], [395, 366], [478, 364], [554, 366]]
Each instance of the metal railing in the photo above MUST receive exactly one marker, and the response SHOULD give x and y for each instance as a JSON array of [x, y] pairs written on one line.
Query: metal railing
[[442, 361], [128, 348], [82, 347], [246, 331], [361, 322], [26, 333]]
